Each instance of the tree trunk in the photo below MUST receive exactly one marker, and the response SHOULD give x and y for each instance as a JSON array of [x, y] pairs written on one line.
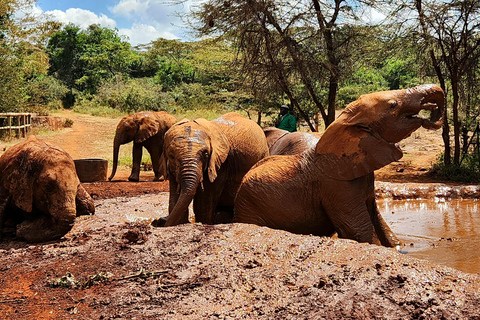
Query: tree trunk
[[456, 123]]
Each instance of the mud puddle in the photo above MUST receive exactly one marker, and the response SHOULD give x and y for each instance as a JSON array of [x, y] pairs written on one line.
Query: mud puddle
[[443, 231]]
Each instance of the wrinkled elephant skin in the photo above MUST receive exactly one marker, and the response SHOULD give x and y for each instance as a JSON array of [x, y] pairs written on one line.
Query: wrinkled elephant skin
[[330, 188], [282, 142], [40, 191]]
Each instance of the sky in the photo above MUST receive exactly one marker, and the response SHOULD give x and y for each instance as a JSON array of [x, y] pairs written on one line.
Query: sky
[[141, 21]]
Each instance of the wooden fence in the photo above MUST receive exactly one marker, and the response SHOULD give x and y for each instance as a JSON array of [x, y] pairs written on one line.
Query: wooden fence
[[20, 123]]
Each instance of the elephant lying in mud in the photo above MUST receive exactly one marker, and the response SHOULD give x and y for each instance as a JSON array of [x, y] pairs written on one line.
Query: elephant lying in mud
[[205, 161], [330, 188], [282, 142], [40, 191], [145, 129]]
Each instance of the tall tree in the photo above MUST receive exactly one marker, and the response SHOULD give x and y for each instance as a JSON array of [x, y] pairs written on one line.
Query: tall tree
[[22, 56], [284, 44], [451, 30], [82, 59]]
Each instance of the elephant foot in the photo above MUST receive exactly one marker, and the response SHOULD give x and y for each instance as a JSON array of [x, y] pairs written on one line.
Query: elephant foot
[[133, 179], [160, 222], [158, 178]]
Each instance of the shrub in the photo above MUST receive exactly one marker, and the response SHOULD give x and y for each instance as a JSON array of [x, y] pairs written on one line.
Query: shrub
[[467, 171], [46, 91]]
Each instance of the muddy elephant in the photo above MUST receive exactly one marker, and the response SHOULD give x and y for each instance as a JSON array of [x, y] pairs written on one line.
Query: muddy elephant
[[282, 142], [40, 191], [331, 187], [205, 161], [145, 129]]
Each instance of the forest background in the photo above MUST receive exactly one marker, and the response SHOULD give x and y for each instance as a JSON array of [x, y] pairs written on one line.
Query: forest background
[[251, 56]]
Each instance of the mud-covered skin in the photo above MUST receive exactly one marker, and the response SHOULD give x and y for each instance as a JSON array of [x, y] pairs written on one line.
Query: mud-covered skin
[[331, 188], [205, 162], [145, 129], [40, 191], [282, 142]]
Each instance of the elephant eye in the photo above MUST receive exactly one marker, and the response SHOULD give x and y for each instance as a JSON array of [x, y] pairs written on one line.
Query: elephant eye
[[393, 104], [205, 154]]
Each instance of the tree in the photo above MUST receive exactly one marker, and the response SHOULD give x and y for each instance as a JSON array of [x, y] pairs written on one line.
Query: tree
[[451, 31], [82, 59], [283, 45], [22, 56]]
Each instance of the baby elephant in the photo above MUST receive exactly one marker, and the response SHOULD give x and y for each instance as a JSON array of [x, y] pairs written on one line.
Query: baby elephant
[[40, 191]]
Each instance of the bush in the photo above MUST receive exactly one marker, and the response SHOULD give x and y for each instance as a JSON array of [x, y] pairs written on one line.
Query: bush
[[132, 95], [46, 91], [467, 171]]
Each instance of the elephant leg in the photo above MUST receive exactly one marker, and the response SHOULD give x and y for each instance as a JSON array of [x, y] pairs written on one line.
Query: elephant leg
[[384, 234], [155, 154], [137, 159], [205, 202], [43, 229], [382, 231]]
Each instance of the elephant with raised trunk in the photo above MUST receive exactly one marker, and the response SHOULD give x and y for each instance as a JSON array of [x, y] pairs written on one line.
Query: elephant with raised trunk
[[40, 191], [330, 188], [282, 142], [205, 162], [145, 129]]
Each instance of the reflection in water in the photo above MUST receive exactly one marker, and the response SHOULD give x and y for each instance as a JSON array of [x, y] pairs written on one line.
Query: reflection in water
[[441, 231]]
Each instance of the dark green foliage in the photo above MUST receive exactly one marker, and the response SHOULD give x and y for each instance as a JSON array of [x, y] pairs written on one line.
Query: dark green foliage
[[83, 59], [467, 171]]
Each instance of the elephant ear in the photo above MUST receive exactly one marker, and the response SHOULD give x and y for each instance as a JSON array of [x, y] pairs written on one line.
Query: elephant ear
[[148, 127], [19, 181], [220, 147], [347, 152]]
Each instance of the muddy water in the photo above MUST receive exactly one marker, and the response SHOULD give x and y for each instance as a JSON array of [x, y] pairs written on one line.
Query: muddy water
[[443, 231]]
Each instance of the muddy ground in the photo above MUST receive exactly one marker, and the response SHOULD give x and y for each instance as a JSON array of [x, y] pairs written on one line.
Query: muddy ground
[[114, 265]]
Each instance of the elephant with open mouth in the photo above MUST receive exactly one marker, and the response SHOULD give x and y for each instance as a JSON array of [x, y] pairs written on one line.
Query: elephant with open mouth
[[330, 188]]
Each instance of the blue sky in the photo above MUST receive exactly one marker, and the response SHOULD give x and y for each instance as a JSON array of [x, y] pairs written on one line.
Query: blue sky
[[140, 20]]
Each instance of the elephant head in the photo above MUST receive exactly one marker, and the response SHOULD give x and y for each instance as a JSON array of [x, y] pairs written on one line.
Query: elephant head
[[192, 150], [140, 127], [40, 180], [363, 137]]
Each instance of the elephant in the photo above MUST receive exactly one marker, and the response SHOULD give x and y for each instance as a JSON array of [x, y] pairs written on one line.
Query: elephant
[[145, 129], [205, 161], [40, 191], [330, 188], [282, 142]]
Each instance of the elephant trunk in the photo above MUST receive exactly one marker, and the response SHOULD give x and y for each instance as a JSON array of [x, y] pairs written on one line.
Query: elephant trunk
[[190, 178], [116, 149], [433, 99]]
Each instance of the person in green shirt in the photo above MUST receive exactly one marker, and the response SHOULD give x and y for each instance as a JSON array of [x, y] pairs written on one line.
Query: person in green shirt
[[285, 120]]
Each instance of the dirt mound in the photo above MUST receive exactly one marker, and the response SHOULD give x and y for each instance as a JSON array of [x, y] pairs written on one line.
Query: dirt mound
[[237, 271]]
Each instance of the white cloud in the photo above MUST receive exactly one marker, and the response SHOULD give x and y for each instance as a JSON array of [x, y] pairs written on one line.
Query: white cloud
[[143, 34], [129, 7], [81, 18]]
